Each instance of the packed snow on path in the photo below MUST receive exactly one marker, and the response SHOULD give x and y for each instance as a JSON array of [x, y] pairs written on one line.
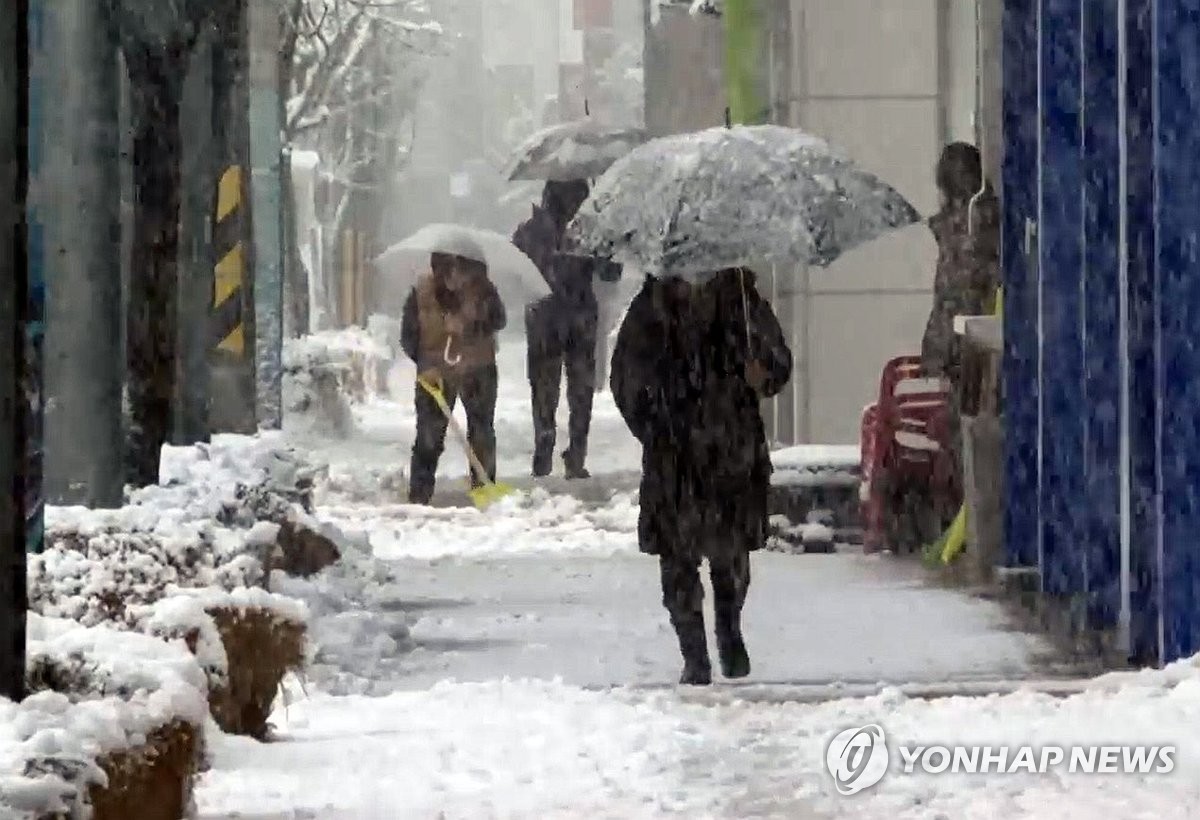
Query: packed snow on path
[[516, 662], [377, 457], [547, 749]]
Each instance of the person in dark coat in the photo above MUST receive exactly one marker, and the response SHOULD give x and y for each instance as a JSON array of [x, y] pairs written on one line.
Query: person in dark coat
[[561, 328], [967, 231], [690, 366], [448, 327]]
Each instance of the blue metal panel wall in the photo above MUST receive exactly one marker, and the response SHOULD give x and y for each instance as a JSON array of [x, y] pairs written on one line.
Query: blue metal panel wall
[[1019, 194], [1177, 204], [1139, 254], [1060, 270], [1099, 504]]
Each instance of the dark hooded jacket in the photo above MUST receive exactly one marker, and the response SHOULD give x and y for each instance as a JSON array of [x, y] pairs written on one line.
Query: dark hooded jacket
[[572, 299], [679, 381], [968, 269]]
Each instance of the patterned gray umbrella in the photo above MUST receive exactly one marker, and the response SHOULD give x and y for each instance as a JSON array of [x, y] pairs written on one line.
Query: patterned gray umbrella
[[695, 203], [582, 149]]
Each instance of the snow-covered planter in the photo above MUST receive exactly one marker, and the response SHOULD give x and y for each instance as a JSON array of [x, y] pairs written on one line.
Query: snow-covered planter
[[189, 560], [246, 639], [112, 727]]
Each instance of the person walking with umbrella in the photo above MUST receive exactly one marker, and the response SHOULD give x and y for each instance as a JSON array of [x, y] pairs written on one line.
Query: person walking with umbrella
[[448, 327], [697, 351], [561, 328], [690, 366]]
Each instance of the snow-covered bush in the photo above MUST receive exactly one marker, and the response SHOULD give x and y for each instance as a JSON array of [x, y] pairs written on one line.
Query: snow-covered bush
[[106, 707], [103, 576], [189, 560], [213, 523]]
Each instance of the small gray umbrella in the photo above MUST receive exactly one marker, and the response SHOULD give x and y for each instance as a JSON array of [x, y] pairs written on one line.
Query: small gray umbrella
[[691, 204], [582, 149]]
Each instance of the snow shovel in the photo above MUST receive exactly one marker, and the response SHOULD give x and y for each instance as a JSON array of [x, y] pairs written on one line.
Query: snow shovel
[[951, 543], [488, 492]]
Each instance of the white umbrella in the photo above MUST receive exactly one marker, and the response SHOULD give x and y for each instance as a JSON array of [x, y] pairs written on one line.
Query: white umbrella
[[514, 274]]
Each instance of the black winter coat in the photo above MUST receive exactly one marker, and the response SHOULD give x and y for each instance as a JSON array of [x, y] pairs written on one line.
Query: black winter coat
[[572, 300], [679, 381]]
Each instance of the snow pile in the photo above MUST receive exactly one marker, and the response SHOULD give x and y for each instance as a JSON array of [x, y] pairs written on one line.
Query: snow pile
[[324, 373], [809, 465], [226, 480], [498, 749], [187, 614], [358, 633], [815, 535], [96, 691], [183, 617], [524, 523], [527, 748]]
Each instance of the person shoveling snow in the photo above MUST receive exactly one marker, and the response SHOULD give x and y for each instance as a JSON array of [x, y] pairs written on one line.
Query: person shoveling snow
[[449, 327]]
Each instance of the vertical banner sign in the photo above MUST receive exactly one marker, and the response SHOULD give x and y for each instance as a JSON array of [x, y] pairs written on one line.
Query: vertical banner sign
[[32, 313], [745, 55]]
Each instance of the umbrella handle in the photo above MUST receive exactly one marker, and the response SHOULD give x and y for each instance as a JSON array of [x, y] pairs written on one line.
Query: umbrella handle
[[745, 308], [446, 353]]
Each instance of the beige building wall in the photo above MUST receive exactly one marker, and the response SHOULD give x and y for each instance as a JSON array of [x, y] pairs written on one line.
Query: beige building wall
[[889, 81]]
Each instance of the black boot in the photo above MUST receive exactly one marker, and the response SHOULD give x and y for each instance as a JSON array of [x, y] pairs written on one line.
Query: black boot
[[693, 644], [573, 466], [420, 492], [735, 660], [543, 462]]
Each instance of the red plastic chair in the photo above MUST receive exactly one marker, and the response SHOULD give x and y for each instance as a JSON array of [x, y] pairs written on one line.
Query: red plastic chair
[[904, 439]]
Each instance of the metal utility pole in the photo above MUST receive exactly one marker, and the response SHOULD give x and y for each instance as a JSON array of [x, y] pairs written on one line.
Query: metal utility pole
[[190, 423], [265, 26], [16, 383], [76, 191], [231, 340]]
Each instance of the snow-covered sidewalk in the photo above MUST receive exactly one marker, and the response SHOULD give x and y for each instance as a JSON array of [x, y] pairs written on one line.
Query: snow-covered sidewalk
[[517, 663], [524, 749]]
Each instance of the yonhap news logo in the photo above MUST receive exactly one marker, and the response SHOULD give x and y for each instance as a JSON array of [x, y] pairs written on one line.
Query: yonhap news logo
[[859, 758]]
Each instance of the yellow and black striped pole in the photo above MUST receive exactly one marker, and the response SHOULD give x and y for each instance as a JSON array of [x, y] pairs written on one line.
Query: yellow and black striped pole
[[229, 329]]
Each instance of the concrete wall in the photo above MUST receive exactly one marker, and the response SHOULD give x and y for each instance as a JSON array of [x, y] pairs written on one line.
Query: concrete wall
[[890, 82], [684, 61], [886, 80]]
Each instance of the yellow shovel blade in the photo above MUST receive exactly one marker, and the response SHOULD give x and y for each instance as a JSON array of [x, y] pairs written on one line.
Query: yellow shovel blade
[[486, 495], [956, 536]]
